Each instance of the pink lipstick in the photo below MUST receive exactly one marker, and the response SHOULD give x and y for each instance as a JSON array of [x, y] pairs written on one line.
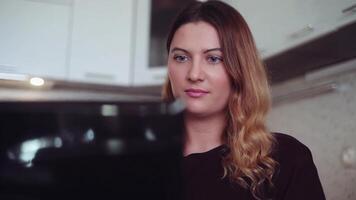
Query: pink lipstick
[[196, 93]]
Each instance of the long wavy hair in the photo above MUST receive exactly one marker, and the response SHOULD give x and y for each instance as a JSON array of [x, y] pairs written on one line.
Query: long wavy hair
[[249, 162]]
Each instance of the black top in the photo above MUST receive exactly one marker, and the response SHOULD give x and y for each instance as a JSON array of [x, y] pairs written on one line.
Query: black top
[[296, 176]]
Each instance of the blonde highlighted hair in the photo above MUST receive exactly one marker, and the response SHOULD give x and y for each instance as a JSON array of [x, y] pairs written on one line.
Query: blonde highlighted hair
[[249, 162]]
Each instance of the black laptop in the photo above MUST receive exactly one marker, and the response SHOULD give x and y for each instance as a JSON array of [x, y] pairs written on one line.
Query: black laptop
[[95, 150]]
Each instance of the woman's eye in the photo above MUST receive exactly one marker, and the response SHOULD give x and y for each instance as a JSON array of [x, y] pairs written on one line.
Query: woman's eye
[[180, 58], [214, 59]]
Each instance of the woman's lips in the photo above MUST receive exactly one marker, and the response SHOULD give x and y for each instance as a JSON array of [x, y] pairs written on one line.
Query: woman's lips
[[195, 93]]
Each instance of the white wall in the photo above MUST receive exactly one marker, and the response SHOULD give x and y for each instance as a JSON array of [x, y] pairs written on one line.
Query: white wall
[[327, 125]]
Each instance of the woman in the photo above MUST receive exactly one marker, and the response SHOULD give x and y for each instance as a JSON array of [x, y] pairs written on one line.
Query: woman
[[214, 68]]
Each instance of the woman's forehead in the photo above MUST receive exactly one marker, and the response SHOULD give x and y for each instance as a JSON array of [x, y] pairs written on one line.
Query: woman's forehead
[[196, 36]]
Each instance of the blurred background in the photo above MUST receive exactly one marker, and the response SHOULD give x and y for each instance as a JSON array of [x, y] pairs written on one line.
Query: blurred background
[[114, 50]]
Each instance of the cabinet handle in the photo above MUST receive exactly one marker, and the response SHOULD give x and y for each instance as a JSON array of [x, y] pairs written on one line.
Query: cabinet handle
[[99, 76], [159, 77], [13, 77], [8, 68], [262, 51], [306, 30], [350, 9]]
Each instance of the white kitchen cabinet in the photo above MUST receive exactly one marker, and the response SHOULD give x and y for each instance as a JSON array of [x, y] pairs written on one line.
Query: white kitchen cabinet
[[108, 41], [101, 43], [34, 37], [271, 22], [278, 25], [332, 14]]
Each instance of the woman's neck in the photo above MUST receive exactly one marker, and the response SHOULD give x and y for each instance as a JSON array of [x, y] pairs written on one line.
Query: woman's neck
[[203, 133]]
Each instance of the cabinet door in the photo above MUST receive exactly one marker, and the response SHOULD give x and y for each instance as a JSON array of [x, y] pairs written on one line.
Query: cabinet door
[[333, 14], [279, 25], [102, 41], [34, 37], [276, 24]]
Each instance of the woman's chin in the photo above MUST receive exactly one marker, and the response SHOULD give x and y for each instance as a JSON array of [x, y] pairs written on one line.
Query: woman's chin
[[197, 110]]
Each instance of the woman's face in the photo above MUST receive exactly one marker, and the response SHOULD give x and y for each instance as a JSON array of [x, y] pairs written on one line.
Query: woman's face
[[196, 69]]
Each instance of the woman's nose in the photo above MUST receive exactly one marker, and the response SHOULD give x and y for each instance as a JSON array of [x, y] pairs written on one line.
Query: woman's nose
[[196, 72]]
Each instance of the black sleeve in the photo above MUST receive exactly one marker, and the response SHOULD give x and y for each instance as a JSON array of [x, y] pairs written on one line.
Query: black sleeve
[[304, 182]]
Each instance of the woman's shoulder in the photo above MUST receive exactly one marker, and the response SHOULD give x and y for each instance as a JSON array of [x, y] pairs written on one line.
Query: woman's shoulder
[[289, 149], [296, 175]]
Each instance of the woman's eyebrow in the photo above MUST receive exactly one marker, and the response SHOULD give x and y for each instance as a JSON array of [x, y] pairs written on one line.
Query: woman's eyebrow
[[214, 49], [186, 51], [178, 49]]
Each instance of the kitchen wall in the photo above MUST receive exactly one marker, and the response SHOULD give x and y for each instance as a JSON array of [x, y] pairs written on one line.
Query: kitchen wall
[[326, 124]]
